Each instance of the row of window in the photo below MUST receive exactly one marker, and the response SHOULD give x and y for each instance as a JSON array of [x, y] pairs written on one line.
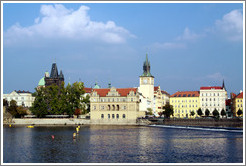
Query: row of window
[[114, 99], [185, 106], [111, 107], [210, 94], [113, 116], [240, 100], [182, 111], [239, 105], [183, 101], [210, 104], [206, 99]]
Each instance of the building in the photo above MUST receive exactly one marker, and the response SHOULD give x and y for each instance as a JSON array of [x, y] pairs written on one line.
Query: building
[[184, 103], [54, 77], [161, 98], [152, 98], [237, 103], [213, 97], [146, 83], [115, 106], [23, 98], [229, 113]]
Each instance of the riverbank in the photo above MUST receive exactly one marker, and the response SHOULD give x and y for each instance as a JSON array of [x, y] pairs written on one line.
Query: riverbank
[[235, 123]]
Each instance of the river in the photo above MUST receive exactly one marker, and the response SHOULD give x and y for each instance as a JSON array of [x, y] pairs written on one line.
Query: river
[[121, 144]]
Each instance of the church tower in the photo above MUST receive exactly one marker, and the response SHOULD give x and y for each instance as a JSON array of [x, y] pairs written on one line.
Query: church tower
[[146, 81]]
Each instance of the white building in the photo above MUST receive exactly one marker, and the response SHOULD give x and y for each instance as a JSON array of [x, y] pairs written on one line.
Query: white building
[[212, 98], [23, 98]]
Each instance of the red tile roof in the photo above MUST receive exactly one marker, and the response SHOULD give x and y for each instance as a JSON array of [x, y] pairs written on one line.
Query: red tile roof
[[164, 92], [186, 94], [233, 95], [211, 87], [156, 88], [87, 90], [240, 95], [122, 91]]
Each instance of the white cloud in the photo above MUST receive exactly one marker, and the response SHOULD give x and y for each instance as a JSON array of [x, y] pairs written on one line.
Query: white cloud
[[58, 22], [188, 35], [231, 25], [169, 45]]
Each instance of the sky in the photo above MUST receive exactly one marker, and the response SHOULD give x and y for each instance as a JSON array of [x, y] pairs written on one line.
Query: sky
[[189, 45]]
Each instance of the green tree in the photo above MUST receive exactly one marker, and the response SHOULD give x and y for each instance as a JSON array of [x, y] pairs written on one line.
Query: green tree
[[199, 112], [216, 113], [207, 112], [168, 110], [86, 104], [149, 111], [192, 113], [5, 103], [12, 109], [239, 112], [21, 111], [223, 113]]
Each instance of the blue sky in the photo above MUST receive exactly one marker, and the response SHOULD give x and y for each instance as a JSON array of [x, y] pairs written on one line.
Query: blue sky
[[189, 44]]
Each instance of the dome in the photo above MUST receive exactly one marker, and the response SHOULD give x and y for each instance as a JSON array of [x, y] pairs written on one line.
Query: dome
[[41, 82], [96, 86]]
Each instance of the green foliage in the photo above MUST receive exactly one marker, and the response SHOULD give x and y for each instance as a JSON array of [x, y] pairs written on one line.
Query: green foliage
[[199, 112], [12, 109], [149, 111], [5, 103], [207, 112], [223, 113], [21, 111], [239, 112], [192, 113], [216, 113], [168, 110], [54, 100]]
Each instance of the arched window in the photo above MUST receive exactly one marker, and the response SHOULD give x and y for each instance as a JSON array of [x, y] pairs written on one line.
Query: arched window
[[113, 107], [102, 116], [117, 116], [113, 116], [109, 107], [108, 116], [123, 116], [118, 107]]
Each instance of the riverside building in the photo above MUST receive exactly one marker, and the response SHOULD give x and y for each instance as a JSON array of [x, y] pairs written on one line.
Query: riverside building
[[184, 103], [115, 106], [237, 103], [23, 98], [213, 97]]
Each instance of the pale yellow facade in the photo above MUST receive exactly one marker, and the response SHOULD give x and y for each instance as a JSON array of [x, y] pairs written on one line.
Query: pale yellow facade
[[184, 103], [238, 104], [115, 106], [161, 98]]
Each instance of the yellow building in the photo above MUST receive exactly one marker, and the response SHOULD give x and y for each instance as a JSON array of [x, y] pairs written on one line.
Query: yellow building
[[237, 102], [115, 106], [184, 103]]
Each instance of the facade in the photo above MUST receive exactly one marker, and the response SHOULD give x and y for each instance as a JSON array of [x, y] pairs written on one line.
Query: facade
[[161, 98], [229, 113], [212, 98], [237, 103], [184, 103], [23, 98], [54, 77], [115, 106]]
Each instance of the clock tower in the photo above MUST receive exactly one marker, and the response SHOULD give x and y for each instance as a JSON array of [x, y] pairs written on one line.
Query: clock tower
[[146, 81]]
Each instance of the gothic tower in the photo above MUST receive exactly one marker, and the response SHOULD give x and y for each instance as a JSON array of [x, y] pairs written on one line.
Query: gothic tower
[[54, 77], [146, 81]]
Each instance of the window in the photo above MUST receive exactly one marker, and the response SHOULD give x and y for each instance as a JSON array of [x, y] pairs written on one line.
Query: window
[[102, 116], [118, 107], [109, 107], [113, 107], [124, 107], [117, 116], [95, 107], [112, 116], [102, 107], [108, 116], [131, 99], [123, 116]]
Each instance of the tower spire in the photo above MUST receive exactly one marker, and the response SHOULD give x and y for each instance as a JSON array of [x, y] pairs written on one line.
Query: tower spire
[[146, 67]]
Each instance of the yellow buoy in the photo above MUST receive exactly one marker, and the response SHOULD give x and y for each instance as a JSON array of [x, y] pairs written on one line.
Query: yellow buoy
[[10, 125], [30, 126], [77, 129]]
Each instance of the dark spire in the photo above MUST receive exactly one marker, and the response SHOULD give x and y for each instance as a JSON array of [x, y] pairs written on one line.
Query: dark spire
[[223, 85], [61, 74], [146, 67], [54, 71], [109, 85]]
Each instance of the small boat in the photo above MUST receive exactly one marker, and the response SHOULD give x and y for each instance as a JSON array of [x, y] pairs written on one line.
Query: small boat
[[30, 126]]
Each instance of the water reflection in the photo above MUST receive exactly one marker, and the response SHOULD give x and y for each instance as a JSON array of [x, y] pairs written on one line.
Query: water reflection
[[120, 144]]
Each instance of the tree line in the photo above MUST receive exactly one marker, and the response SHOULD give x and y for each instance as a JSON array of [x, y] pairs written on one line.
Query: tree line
[[61, 100]]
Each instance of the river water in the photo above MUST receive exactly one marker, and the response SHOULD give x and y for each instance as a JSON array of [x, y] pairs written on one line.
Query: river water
[[121, 144]]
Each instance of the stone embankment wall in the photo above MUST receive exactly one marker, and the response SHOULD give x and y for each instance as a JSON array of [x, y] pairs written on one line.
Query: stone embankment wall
[[50, 121], [202, 122]]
